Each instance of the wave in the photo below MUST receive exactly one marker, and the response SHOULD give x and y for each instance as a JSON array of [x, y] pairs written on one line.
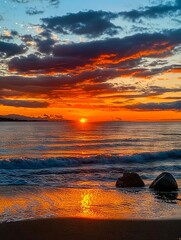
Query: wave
[[42, 163]]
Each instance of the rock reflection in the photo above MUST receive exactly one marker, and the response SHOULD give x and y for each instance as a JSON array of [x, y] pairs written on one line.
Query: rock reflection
[[168, 197]]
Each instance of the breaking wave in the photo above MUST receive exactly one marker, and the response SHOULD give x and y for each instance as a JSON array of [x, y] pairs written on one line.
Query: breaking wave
[[58, 162]]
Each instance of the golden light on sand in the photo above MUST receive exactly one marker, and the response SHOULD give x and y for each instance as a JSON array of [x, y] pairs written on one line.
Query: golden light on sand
[[83, 120]]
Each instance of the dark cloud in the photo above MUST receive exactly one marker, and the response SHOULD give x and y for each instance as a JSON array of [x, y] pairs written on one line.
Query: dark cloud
[[153, 11], [47, 84], [173, 98], [91, 23], [6, 38], [156, 90], [158, 62], [10, 36], [150, 72], [23, 103], [35, 64], [11, 49], [21, 1], [52, 2], [14, 33], [92, 83], [96, 23], [108, 53], [164, 106], [44, 41], [33, 11], [144, 44], [27, 39], [147, 92]]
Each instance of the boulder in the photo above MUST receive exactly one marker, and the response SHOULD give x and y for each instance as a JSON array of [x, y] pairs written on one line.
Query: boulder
[[164, 182], [130, 179]]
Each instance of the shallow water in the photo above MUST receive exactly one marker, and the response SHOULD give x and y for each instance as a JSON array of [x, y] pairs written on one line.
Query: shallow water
[[19, 203]]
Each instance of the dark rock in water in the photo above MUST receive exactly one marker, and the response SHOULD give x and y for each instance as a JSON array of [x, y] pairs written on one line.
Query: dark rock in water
[[164, 182], [130, 179]]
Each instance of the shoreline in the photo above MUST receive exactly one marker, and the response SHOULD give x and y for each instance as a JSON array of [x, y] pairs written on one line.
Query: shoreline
[[84, 228], [22, 202]]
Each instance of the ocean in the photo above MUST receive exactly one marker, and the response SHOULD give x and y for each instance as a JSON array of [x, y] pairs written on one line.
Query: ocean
[[69, 169]]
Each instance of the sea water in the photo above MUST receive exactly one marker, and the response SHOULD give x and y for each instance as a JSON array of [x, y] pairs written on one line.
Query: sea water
[[69, 169]]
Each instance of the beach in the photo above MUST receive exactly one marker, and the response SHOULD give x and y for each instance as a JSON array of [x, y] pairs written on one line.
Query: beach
[[85, 229]]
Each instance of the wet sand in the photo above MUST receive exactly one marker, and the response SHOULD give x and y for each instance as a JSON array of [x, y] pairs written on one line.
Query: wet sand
[[81, 228]]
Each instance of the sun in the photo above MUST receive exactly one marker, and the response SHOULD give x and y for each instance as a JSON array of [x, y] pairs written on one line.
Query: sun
[[83, 120]]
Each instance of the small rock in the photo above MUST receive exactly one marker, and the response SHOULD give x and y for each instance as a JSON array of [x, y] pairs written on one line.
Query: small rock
[[164, 182], [130, 179]]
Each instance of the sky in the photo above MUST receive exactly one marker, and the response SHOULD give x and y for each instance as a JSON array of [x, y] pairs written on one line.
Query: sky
[[101, 60]]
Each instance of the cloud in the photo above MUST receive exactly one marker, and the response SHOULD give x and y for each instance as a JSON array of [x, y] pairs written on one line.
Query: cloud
[[90, 83], [122, 48], [33, 11], [11, 49], [44, 41], [96, 23], [175, 69], [23, 103], [153, 11], [52, 2], [21, 1], [173, 98], [48, 84], [90, 23], [107, 53], [56, 87], [6, 38], [164, 106], [33, 64], [147, 92], [8, 35]]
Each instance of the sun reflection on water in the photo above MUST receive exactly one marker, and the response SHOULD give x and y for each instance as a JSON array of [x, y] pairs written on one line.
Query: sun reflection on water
[[86, 203], [25, 203]]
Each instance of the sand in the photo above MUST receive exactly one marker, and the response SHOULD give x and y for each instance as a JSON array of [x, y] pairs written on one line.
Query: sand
[[79, 229]]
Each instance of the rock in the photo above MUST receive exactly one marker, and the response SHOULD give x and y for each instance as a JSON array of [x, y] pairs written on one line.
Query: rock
[[164, 182], [130, 179]]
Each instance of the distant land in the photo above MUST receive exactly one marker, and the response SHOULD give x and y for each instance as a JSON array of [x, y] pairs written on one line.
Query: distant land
[[3, 119], [21, 118]]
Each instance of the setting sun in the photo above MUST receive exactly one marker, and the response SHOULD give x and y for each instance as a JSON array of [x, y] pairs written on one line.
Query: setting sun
[[83, 120]]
